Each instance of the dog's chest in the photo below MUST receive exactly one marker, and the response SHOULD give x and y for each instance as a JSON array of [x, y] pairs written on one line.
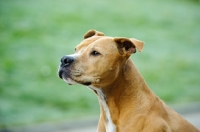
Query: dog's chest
[[110, 126]]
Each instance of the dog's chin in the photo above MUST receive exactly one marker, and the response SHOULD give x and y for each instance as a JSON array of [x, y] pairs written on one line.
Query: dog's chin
[[71, 81], [68, 79]]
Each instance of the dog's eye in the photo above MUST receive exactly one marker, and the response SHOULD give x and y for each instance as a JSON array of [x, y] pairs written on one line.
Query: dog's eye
[[95, 53]]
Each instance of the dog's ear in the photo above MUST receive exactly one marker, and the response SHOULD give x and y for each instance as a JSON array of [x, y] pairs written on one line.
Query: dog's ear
[[91, 33], [129, 45], [138, 44]]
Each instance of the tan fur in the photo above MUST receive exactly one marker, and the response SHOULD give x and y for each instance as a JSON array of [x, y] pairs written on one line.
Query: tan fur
[[133, 106]]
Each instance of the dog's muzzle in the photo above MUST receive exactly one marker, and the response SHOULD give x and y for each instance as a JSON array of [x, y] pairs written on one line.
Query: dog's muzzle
[[66, 61], [64, 70]]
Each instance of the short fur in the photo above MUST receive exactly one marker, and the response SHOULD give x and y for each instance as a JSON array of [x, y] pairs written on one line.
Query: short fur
[[126, 102]]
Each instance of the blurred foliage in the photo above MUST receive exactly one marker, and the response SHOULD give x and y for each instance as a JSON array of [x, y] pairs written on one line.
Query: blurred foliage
[[34, 35]]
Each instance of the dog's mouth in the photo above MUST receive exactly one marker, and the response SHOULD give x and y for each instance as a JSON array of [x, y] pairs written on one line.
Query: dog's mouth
[[60, 73], [87, 83], [71, 81]]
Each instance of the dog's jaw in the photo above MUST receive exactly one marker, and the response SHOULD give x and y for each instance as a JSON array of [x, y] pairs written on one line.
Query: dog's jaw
[[71, 81]]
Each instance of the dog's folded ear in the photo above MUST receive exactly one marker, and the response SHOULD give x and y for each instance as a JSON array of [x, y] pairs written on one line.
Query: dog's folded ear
[[91, 33], [130, 45], [138, 44]]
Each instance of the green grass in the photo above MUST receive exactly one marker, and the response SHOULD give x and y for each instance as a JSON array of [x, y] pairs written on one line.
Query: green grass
[[34, 35]]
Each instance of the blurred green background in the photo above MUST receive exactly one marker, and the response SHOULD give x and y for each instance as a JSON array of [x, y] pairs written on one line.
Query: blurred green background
[[34, 35]]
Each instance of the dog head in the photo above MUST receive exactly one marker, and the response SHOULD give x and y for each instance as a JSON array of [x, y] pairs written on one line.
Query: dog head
[[97, 60]]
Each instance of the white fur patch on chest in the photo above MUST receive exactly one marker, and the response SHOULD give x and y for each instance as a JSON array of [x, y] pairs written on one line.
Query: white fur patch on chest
[[110, 126]]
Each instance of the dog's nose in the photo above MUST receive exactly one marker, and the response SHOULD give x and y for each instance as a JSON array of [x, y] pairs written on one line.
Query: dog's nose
[[66, 60]]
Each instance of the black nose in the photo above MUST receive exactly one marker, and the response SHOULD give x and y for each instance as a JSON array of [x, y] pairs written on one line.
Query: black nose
[[66, 60]]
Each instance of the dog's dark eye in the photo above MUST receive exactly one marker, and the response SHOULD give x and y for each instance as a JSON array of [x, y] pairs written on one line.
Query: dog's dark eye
[[95, 53]]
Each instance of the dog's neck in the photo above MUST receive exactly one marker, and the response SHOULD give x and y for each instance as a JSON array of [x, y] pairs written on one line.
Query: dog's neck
[[130, 90], [130, 83]]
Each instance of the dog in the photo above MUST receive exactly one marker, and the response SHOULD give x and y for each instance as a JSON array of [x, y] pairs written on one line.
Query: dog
[[103, 64]]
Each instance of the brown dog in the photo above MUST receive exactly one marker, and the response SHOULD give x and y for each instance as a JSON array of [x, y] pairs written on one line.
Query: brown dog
[[127, 104]]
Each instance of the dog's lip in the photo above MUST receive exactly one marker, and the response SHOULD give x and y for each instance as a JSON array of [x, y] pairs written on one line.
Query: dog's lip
[[86, 83], [60, 74], [83, 83]]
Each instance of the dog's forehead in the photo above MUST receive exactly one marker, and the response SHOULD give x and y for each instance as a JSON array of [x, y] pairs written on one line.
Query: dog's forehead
[[95, 40]]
